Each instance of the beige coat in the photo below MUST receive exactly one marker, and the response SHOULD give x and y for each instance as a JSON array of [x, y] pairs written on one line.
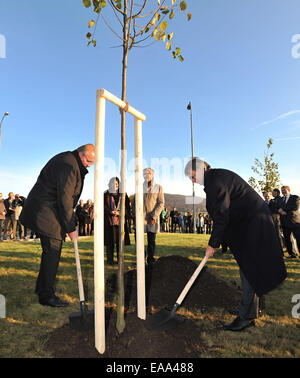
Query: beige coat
[[154, 201]]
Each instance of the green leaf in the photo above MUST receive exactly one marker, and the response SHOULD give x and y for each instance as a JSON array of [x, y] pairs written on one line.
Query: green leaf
[[180, 57], [183, 5], [91, 23], [87, 3], [94, 42]]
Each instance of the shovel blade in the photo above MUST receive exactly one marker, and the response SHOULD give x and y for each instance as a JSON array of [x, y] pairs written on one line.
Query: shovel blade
[[165, 319], [82, 321]]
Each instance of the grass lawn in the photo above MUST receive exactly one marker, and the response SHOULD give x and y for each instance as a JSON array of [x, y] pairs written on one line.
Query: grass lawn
[[27, 325]]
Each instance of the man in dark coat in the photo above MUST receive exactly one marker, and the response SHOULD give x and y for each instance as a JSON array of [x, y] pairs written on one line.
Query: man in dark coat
[[290, 219], [241, 219], [49, 211]]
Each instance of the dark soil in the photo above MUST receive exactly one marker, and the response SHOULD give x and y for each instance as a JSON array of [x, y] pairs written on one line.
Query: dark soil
[[165, 279]]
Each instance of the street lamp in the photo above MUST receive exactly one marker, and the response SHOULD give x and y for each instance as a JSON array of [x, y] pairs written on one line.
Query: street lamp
[[4, 115], [189, 107]]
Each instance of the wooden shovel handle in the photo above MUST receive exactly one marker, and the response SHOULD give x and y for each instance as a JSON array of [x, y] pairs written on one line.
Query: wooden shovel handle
[[191, 281], [79, 275]]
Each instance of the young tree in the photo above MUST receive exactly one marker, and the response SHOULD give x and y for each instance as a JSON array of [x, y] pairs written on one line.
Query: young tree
[[139, 21], [267, 171]]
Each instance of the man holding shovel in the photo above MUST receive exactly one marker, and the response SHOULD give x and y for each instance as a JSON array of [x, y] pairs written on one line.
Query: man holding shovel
[[241, 219], [49, 211]]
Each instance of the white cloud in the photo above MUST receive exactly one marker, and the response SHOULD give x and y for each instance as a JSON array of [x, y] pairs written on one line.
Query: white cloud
[[281, 116]]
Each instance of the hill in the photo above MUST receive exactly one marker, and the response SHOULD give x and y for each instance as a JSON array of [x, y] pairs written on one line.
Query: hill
[[184, 203]]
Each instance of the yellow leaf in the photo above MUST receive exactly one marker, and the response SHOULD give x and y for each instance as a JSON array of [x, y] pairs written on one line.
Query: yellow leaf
[[189, 16], [170, 36], [91, 23], [168, 45], [154, 31], [163, 25], [171, 14]]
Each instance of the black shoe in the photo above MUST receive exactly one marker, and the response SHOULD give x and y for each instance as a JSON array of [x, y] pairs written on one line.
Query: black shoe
[[239, 324], [54, 302], [236, 312]]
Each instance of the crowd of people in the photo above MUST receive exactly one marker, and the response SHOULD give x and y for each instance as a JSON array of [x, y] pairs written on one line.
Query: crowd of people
[[12, 229], [174, 220]]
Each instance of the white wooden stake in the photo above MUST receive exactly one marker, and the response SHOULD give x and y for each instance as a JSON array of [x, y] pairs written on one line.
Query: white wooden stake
[[99, 281], [139, 224]]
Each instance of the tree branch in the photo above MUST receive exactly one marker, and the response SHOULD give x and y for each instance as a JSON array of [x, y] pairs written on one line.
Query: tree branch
[[116, 8]]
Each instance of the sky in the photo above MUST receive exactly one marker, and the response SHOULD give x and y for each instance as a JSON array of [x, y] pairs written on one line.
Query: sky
[[241, 73]]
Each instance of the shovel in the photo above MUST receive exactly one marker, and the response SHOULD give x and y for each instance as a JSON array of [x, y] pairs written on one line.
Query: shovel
[[84, 319], [164, 318]]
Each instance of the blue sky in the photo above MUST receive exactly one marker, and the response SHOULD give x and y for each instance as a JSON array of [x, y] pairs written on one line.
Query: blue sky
[[239, 73]]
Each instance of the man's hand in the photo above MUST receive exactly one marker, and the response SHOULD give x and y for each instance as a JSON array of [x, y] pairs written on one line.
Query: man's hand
[[281, 212], [209, 251], [73, 235]]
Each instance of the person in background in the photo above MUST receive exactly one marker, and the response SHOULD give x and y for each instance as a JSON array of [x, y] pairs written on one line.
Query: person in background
[[49, 211], [17, 205], [80, 217], [88, 211], [2, 216], [290, 219], [153, 201], [112, 208], [9, 216]]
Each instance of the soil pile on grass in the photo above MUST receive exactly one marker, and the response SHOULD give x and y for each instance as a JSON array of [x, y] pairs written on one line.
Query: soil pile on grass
[[165, 279]]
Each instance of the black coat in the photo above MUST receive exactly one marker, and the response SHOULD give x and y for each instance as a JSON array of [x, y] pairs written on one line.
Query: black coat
[[49, 208], [241, 218], [108, 228], [292, 208]]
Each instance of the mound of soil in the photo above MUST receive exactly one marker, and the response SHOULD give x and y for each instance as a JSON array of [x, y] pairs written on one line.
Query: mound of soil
[[165, 279]]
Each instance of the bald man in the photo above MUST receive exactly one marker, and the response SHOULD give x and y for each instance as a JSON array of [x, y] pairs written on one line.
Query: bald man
[[49, 212]]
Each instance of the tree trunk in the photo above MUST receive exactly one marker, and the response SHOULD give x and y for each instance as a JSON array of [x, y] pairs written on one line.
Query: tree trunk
[[121, 294]]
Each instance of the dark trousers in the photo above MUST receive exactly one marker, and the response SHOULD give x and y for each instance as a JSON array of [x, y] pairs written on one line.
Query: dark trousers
[[287, 239], [249, 305], [112, 241], [1, 227], [45, 284], [151, 244]]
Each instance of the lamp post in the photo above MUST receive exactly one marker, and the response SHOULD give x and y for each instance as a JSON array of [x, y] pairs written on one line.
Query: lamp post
[[189, 107], [4, 115]]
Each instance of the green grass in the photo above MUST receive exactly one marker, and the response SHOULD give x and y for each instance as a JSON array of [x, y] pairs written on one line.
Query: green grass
[[27, 326]]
